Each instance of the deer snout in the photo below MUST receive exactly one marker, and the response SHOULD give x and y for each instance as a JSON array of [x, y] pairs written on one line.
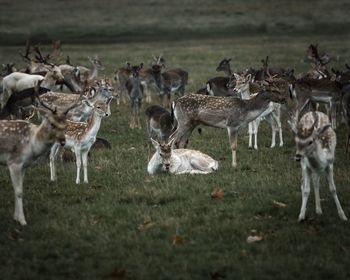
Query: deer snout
[[298, 157], [62, 142], [167, 166]]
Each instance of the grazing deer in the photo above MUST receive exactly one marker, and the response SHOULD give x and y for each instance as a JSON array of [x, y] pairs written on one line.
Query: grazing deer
[[218, 86], [80, 136], [246, 90], [315, 140], [160, 122], [223, 112], [22, 142], [307, 91], [179, 161], [135, 92], [16, 82]]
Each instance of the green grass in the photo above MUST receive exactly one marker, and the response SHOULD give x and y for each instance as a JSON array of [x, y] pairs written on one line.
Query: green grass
[[92, 231]]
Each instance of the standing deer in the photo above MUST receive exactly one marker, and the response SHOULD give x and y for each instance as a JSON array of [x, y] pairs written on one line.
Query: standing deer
[[179, 161], [22, 142], [135, 92], [223, 112], [315, 140], [218, 86], [246, 90], [80, 136]]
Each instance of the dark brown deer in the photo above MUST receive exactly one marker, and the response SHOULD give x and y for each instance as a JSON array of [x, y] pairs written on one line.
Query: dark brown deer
[[218, 86], [222, 112]]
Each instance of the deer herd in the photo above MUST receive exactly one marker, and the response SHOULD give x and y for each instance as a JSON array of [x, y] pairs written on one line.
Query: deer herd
[[46, 107]]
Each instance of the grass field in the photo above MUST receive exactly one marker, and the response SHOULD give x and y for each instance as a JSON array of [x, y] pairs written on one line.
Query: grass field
[[125, 224]]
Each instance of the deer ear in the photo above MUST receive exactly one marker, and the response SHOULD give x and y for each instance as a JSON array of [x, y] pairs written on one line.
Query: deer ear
[[319, 131], [249, 77], [141, 65], [155, 143], [236, 76]]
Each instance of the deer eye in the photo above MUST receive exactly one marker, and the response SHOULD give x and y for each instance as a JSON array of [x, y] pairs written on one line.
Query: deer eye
[[310, 142]]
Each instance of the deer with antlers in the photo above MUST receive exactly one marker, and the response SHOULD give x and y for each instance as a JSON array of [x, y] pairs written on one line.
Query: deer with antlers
[[222, 112], [315, 140], [22, 142]]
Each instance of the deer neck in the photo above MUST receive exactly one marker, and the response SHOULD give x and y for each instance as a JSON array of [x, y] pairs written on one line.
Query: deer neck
[[256, 106], [93, 125], [48, 81], [227, 72], [41, 139], [93, 73]]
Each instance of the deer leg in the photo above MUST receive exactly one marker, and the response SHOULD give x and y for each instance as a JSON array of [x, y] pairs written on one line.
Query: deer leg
[[333, 109], [77, 152], [84, 155], [138, 115], [17, 174], [232, 134], [255, 132], [181, 136], [53, 155], [330, 179], [316, 184], [347, 142], [250, 135], [305, 191]]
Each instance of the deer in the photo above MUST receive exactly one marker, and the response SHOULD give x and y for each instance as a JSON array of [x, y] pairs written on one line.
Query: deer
[[22, 142], [246, 89], [80, 136], [135, 93], [219, 111], [100, 90], [179, 161], [17, 81], [315, 150], [86, 74], [218, 86], [306, 91]]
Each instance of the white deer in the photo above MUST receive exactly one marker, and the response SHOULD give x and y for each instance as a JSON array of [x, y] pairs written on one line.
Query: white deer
[[315, 140], [17, 81], [179, 161], [80, 136], [22, 142]]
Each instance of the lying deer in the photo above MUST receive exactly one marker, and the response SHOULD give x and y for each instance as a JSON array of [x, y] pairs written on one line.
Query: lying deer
[[179, 161], [80, 136], [22, 142], [218, 111], [315, 140]]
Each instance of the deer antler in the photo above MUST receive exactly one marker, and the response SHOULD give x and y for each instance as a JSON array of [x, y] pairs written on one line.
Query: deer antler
[[40, 58], [27, 53]]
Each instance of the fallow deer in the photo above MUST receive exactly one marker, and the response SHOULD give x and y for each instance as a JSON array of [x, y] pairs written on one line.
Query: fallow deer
[[16, 82], [218, 86], [315, 140], [80, 136], [223, 112], [179, 161], [135, 93], [22, 142], [245, 88]]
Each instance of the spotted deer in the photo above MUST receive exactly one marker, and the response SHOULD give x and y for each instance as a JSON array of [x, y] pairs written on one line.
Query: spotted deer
[[179, 161], [80, 136], [22, 142], [222, 112], [315, 141]]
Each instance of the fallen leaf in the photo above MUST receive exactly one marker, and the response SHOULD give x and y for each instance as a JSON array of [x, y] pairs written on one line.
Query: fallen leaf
[[312, 228], [117, 274], [98, 167], [278, 203], [217, 193], [217, 275], [178, 240], [254, 239], [146, 224], [114, 130]]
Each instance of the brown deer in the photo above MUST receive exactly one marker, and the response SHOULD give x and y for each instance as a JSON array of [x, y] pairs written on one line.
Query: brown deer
[[315, 140], [218, 86], [223, 112]]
